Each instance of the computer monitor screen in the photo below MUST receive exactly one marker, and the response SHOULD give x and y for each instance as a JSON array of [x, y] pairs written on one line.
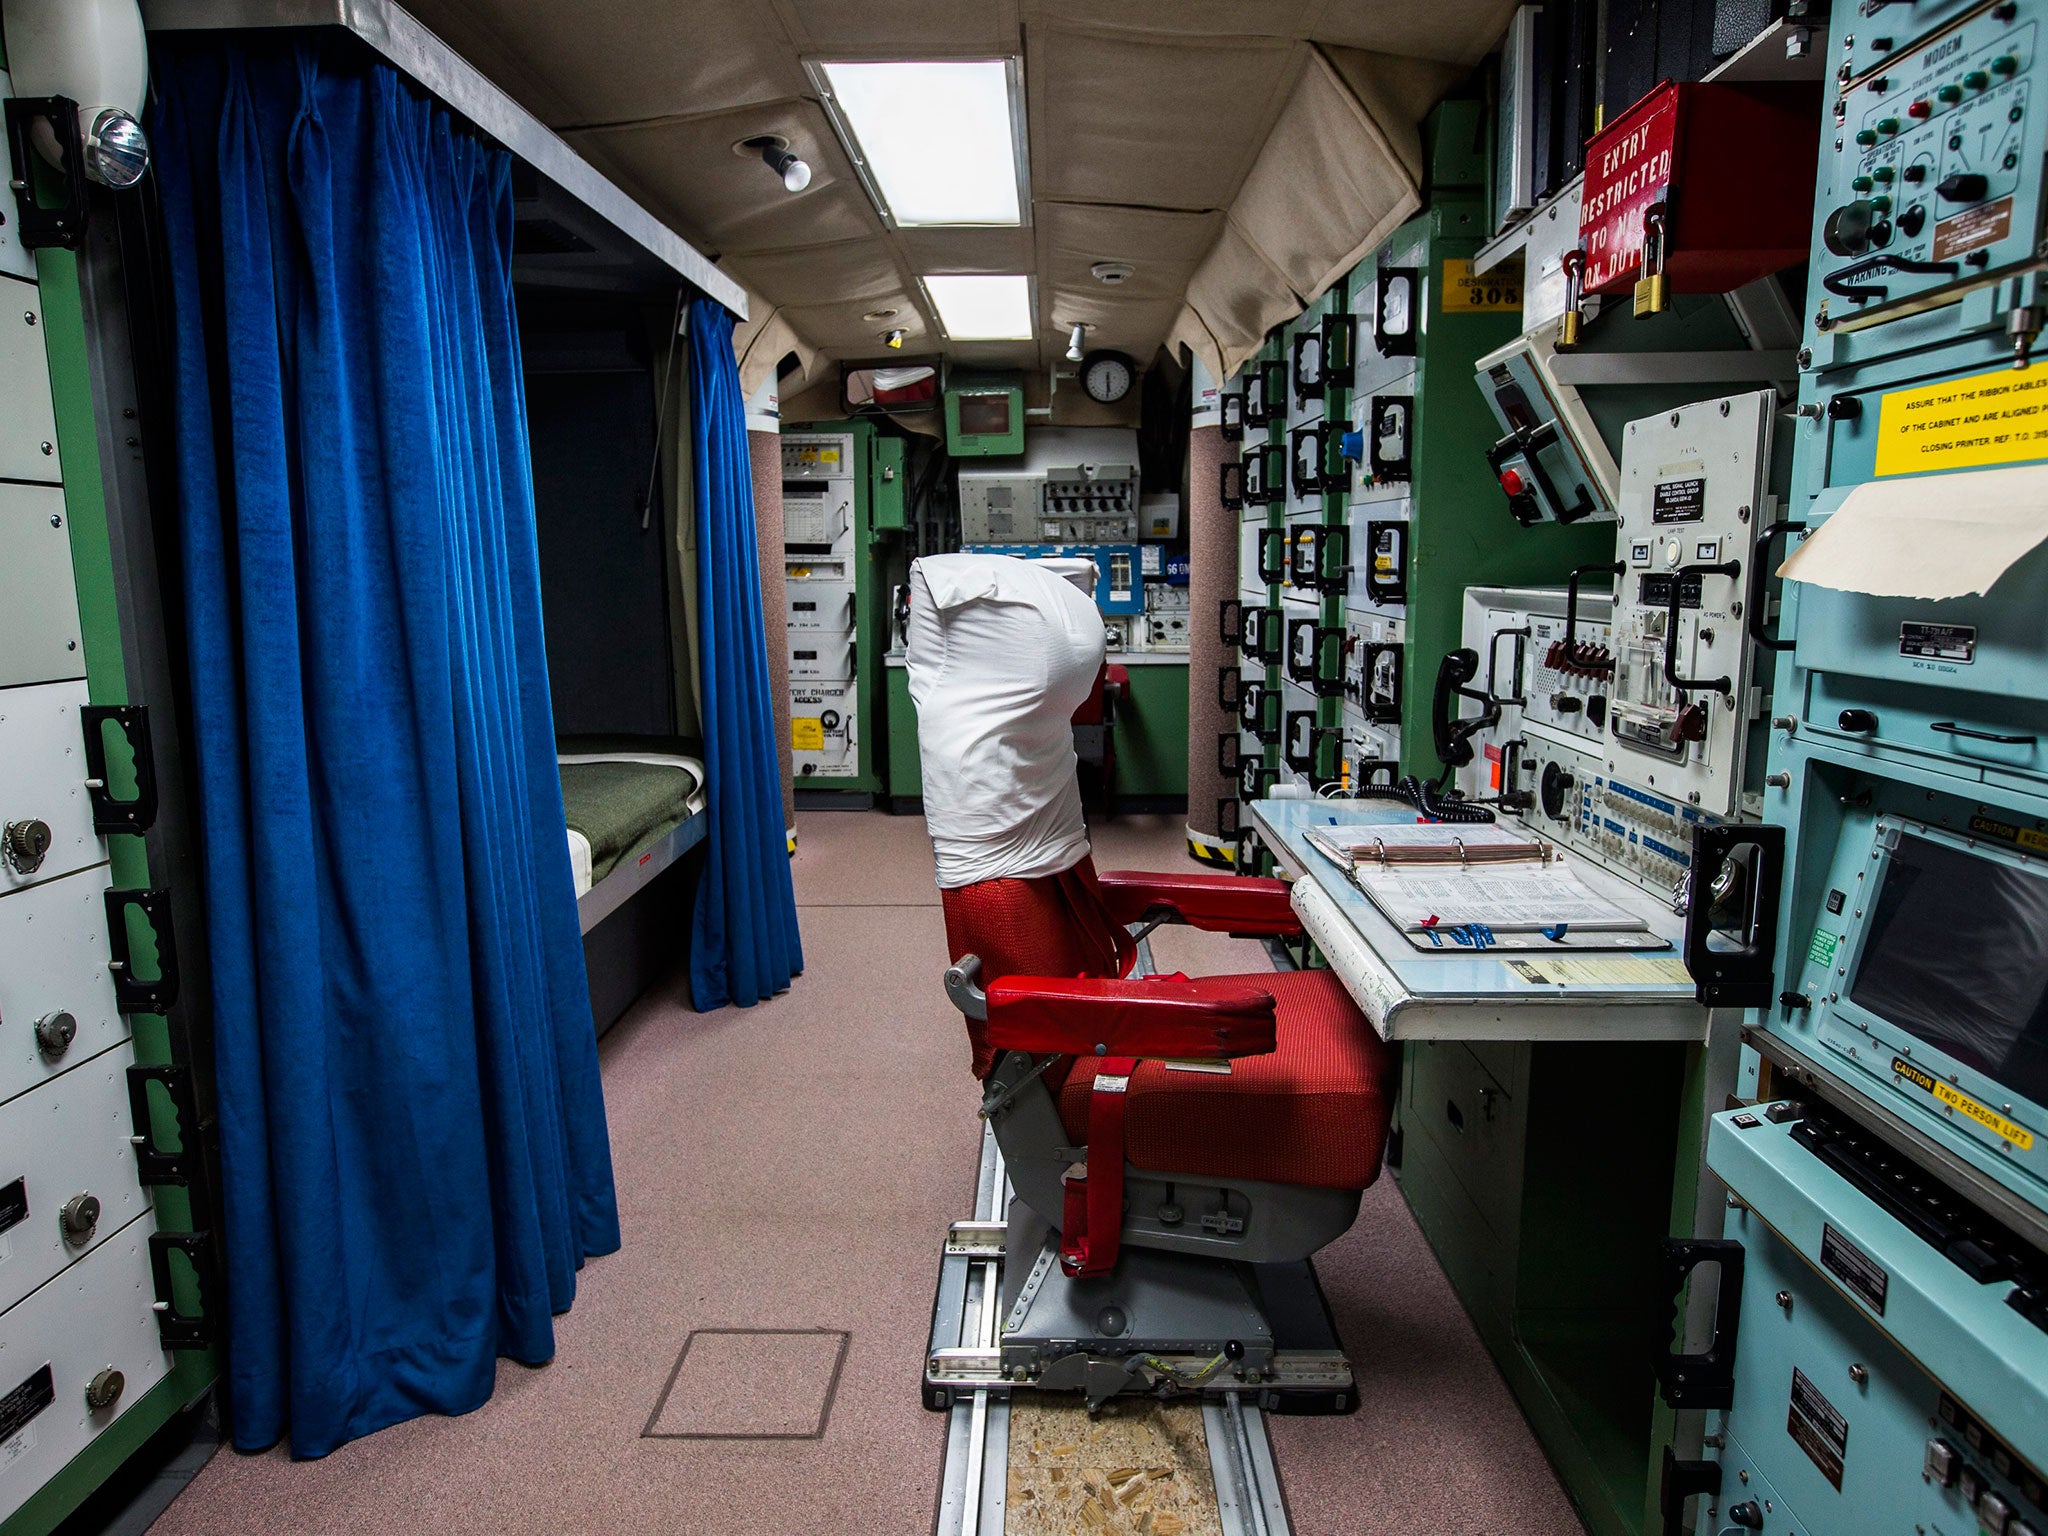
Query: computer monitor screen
[[1957, 956], [985, 415]]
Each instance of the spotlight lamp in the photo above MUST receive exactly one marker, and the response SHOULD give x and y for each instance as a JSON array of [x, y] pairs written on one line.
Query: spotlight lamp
[[893, 339], [776, 154], [1077, 344]]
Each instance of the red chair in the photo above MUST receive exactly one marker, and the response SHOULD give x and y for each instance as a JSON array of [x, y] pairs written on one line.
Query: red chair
[[1181, 1145], [1095, 733]]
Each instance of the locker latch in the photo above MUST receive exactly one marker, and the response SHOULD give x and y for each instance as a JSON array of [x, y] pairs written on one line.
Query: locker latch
[[175, 1327], [63, 225], [132, 993], [110, 814], [1705, 1379], [153, 1164]]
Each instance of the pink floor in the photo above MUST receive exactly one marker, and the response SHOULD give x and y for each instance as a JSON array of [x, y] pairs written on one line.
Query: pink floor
[[794, 1166]]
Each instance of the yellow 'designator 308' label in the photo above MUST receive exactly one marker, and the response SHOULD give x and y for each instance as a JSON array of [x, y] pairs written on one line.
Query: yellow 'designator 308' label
[[2019, 1136], [806, 734], [1988, 418]]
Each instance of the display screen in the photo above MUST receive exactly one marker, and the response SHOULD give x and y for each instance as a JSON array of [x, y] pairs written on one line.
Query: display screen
[[1957, 955], [985, 415]]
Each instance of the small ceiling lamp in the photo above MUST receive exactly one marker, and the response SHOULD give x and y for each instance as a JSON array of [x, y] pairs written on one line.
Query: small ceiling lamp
[[776, 154], [1077, 344]]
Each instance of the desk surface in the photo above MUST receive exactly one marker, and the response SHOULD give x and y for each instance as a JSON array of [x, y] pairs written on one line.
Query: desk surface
[[1460, 994]]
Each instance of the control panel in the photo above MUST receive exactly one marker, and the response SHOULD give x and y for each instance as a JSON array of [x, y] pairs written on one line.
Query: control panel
[[1551, 461], [1694, 491], [1071, 485], [1934, 176]]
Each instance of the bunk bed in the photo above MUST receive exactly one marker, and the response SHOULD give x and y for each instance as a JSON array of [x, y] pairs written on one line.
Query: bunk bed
[[632, 812]]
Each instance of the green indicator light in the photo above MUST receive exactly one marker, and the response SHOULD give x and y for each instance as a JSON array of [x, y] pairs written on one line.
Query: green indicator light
[[2005, 64], [1888, 126], [1866, 136], [1884, 175], [1860, 183], [1976, 80], [1949, 93], [1881, 203]]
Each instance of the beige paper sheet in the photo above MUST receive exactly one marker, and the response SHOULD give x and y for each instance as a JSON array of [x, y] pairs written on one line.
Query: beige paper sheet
[[1929, 536]]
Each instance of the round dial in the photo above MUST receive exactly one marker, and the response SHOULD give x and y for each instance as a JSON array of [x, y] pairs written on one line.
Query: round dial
[[1107, 376]]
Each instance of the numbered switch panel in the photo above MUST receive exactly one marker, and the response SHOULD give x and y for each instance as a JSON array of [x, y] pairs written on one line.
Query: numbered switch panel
[[56, 993], [67, 1172], [74, 1356], [46, 825], [28, 420], [40, 640]]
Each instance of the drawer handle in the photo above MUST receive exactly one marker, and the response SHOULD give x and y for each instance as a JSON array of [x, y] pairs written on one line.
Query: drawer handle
[[1950, 728]]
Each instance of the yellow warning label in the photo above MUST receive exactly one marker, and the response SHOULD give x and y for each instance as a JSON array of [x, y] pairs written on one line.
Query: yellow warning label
[[806, 734], [1560, 971], [2021, 1139], [2024, 837], [1988, 418], [1464, 294], [817, 455]]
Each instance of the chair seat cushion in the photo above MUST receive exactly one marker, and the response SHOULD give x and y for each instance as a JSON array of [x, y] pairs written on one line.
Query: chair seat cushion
[[1315, 1111]]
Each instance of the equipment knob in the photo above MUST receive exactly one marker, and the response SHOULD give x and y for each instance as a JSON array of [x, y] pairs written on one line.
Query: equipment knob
[[104, 1390], [1748, 1514], [54, 1033], [1912, 221], [1847, 230], [79, 1218], [25, 844], [1860, 722], [1964, 187]]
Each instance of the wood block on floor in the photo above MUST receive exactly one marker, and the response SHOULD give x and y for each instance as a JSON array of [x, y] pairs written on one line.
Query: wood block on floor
[[1138, 1467]]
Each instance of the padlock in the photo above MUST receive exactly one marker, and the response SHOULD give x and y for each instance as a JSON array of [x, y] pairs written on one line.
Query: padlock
[[1573, 320], [1653, 291]]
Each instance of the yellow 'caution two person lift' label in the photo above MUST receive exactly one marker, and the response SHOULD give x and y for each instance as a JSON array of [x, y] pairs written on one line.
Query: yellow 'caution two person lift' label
[[2018, 1137]]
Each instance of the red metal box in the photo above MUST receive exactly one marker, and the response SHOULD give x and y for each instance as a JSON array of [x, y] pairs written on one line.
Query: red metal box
[[1734, 167]]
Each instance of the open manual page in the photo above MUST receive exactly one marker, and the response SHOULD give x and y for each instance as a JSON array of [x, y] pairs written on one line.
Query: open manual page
[[1452, 876]]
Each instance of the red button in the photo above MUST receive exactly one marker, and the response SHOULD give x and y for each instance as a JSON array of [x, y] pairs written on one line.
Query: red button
[[1512, 482], [1920, 109]]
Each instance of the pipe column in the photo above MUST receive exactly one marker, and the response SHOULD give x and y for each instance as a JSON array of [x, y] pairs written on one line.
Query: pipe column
[[764, 449], [1212, 577]]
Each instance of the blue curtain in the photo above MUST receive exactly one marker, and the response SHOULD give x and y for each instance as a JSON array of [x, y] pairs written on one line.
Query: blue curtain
[[413, 1140], [744, 943]]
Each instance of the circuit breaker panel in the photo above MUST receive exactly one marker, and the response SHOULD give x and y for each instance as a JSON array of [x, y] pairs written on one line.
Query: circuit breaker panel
[[822, 550]]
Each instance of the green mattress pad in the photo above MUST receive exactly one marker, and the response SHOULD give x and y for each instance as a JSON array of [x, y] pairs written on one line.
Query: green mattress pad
[[623, 808]]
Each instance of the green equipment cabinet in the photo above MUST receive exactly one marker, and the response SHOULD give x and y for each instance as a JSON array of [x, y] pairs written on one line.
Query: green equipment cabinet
[[107, 1208], [843, 507], [1368, 505]]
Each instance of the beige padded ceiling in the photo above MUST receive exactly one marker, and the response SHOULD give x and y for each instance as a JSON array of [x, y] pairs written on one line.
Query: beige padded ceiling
[[1239, 154]]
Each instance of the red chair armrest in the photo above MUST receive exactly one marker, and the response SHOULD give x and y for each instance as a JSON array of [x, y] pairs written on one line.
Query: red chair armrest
[[1215, 903], [1153, 1016]]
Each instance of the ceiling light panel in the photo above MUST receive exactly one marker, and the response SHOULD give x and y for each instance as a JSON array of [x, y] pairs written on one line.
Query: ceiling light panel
[[979, 306], [936, 142]]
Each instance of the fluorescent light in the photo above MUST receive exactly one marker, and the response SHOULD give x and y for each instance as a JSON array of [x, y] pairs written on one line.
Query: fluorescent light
[[975, 306], [936, 142]]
